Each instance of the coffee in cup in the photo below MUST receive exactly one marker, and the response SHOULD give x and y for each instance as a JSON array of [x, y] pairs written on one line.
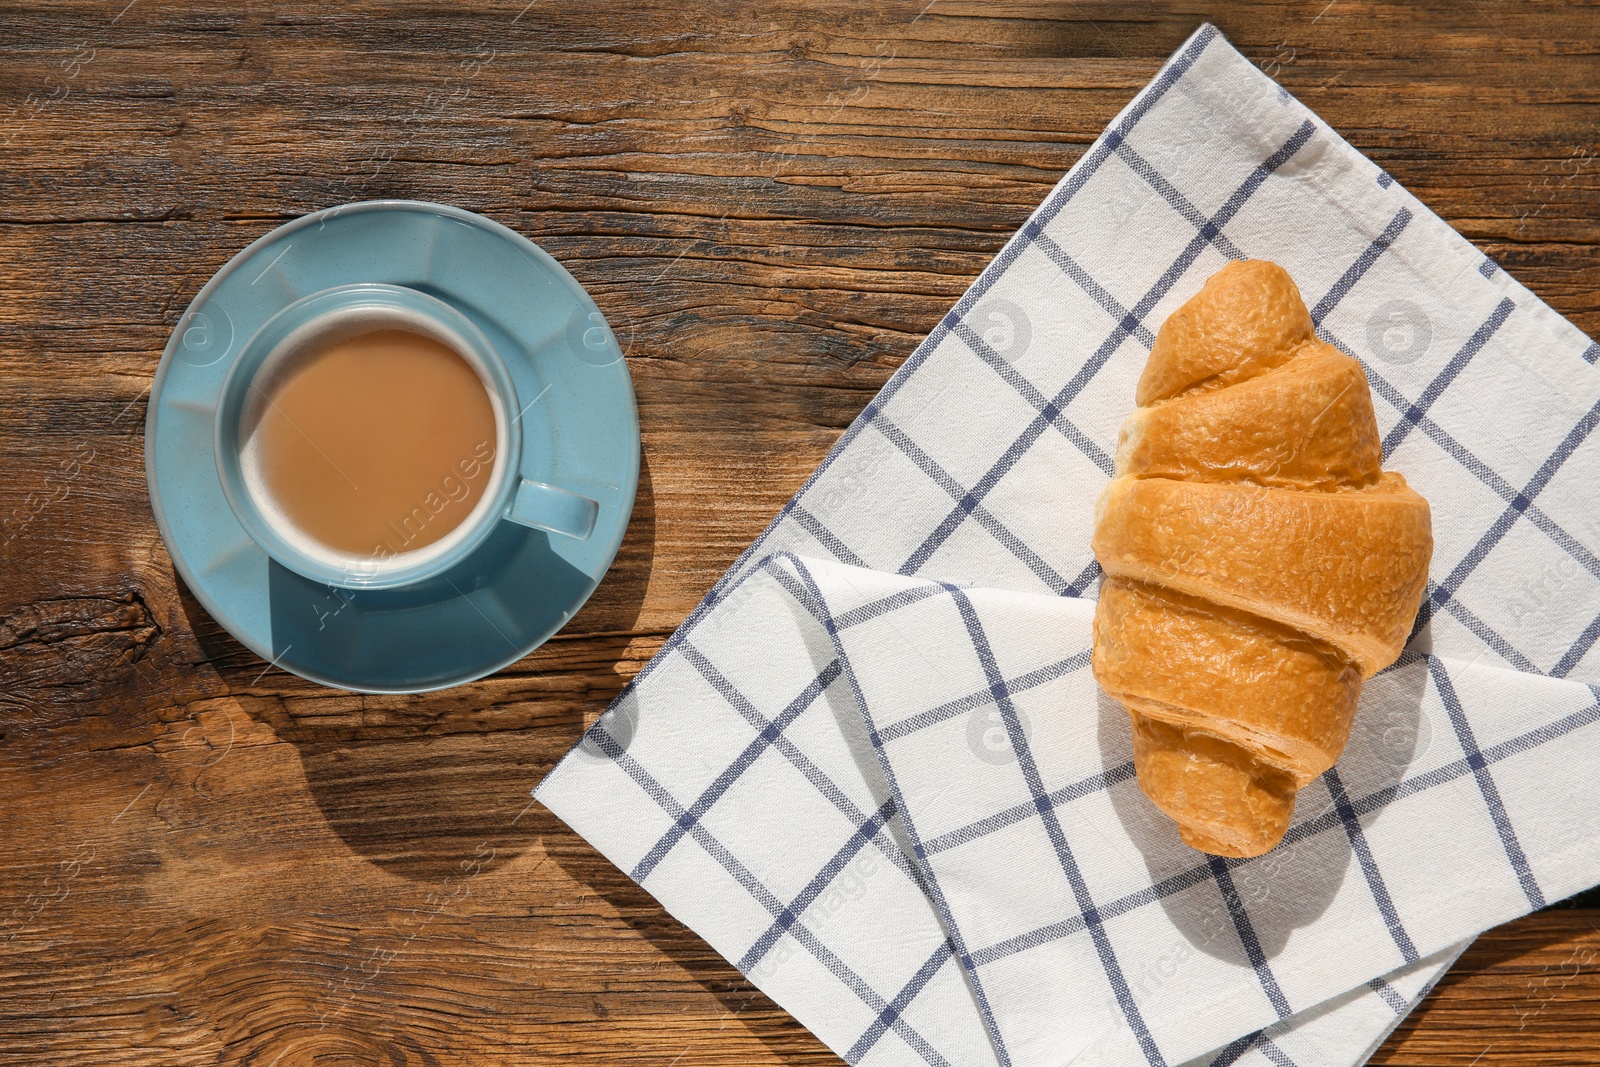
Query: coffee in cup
[[373, 444]]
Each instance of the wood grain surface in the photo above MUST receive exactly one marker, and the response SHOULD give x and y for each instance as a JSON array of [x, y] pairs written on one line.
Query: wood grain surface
[[206, 860]]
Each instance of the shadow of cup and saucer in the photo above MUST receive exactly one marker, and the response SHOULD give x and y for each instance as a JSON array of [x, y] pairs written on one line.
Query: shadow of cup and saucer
[[417, 783]]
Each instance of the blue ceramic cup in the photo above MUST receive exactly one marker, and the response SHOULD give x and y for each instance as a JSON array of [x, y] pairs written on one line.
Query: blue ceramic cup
[[325, 318]]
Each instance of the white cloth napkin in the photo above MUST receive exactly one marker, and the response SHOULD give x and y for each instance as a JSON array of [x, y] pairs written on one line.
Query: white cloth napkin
[[873, 769]]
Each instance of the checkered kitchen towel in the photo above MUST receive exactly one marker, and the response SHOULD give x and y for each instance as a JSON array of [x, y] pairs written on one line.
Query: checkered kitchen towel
[[873, 769]]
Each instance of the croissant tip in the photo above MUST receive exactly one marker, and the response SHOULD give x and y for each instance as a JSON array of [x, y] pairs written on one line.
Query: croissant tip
[[1228, 845]]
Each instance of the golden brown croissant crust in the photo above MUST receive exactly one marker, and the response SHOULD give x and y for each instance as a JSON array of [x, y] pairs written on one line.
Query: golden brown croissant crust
[[1258, 561]]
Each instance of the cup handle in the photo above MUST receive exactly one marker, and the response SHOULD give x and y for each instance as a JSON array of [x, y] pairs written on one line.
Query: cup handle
[[549, 507]]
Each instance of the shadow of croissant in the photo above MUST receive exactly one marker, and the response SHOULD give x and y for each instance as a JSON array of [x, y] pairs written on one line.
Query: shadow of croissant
[[1221, 907]]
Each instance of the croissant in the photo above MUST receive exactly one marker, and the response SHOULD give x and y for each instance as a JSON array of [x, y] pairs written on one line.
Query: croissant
[[1259, 563]]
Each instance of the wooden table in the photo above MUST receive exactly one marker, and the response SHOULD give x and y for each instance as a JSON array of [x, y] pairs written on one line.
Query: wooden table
[[207, 860]]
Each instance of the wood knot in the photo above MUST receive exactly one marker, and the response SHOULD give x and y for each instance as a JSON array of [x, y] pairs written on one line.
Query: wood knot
[[68, 650]]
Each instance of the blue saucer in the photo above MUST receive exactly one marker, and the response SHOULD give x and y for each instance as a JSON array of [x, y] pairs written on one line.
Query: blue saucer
[[580, 431]]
